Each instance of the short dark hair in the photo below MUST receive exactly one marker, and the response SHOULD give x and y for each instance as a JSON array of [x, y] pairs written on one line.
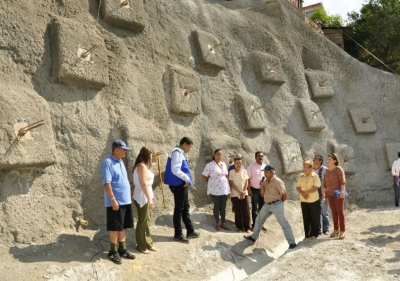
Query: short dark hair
[[320, 158], [186, 140], [398, 154], [258, 152]]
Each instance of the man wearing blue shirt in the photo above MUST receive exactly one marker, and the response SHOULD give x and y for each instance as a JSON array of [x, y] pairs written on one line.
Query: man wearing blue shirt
[[117, 199]]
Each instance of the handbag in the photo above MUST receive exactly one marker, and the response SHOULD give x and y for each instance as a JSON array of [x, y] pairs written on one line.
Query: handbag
[[337, 193]]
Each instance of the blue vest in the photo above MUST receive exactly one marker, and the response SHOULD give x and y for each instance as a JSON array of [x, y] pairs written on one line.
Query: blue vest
[[171, 179]]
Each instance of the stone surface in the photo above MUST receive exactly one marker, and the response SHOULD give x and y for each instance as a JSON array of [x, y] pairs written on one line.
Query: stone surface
[[313, 115], [346, 158], [320, 84], [253, 112], [69, 40], [268, 68], [130, 16], [209, 50], [392, 149], [185, 91], [290, 154], [19, 107], [228, 145], [362, 120]]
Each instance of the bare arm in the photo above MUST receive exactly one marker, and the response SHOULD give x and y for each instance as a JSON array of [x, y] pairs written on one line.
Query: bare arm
[[204, 178], [315, 188], [142, 173], [110, 194], [262, 190], [284, 197]]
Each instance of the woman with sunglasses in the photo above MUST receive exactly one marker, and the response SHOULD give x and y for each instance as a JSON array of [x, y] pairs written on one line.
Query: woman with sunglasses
[[335, 180]]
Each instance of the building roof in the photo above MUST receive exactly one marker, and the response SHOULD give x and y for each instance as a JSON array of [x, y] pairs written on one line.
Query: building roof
[[313, 6]]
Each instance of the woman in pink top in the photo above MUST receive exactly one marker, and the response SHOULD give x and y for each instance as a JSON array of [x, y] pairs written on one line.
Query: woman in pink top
[[215, 174], [335, 180]]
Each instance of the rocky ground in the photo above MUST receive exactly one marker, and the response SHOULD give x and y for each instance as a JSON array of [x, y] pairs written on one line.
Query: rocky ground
[[370, 251]]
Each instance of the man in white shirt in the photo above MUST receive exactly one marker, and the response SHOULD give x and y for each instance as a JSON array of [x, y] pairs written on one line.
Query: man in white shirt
[[395, 175], [255, 173], [178, 177]]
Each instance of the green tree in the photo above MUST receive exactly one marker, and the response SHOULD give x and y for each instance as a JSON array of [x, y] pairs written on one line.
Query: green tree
[[377, 28], [321, 15]]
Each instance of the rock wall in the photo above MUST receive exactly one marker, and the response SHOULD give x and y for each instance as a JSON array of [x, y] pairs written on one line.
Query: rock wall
[[238, 75]]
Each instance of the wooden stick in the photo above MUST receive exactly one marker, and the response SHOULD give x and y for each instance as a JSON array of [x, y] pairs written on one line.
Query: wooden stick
[[215, 46], [321, 84], [24, 130], [257, 108], [188, 91], [85, 54], [314, 113]]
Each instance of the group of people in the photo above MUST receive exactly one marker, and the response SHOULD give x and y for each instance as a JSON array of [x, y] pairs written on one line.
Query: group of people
[[258, 181]]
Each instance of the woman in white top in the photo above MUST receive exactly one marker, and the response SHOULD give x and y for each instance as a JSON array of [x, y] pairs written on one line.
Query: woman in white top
[[215, 174], [143, 197]]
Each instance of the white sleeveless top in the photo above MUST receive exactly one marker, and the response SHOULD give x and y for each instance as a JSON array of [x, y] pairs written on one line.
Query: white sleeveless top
[[138, 194]]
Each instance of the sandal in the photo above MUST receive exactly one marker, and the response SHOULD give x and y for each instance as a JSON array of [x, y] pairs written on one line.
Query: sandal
[[146, 252], [335, 234], [341, 235]]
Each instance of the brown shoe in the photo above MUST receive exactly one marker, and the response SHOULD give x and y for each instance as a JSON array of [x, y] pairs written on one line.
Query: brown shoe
[[224, 226], [335, 234], [217, 226]]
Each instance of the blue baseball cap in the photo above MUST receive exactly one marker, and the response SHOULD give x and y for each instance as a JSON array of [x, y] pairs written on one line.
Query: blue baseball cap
[[120, 143], [269, 168]]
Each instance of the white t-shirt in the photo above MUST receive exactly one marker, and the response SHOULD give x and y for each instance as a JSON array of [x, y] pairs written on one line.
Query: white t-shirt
[[239, 179], [217, 182], [138, 194]]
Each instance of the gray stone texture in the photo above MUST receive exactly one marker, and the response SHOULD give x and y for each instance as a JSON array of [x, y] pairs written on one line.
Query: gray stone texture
[[185, 91], [268, 68], [131, 16], [21, 106], [291, 156], [346, 158], [313, 115], [320, 84], [209, 50], [69, 39], [392, 149], [362, 120], [253, 112]]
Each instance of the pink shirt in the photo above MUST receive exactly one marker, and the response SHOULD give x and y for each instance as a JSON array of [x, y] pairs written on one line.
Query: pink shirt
[[255, 173]]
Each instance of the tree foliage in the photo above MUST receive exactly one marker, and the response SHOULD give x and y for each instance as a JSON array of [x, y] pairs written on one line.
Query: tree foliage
[[321, 15], [377, 28]]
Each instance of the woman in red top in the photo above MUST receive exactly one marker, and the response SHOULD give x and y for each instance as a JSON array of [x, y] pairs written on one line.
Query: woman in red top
[[335, 180]]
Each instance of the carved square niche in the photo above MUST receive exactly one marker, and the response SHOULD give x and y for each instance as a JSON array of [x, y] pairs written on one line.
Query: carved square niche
[[125, 14], [346, 158], [227, 143], [362, 121], [252, 111], [290, 154], [312, 114], [20, 107], [185, 89], [320, 84], [392, 150], [209, 50], [70, 40], [268, 68]]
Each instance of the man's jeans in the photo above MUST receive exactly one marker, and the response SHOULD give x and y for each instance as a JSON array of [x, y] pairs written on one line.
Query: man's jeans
[[396, 192], [324, 215], [257, 202], [278, 210]]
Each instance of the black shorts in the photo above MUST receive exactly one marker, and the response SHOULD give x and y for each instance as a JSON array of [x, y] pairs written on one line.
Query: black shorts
[[121, 219]]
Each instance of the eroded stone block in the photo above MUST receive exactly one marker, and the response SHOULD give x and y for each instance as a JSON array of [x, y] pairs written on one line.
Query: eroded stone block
[[312, 114], [392, 150], [253, 112], [268, 68], [346, 158], [362, 121], [228, 145], [320, 84], [290, 154], [20, 107], [209, 50], [129, 16], [70, 40], [185, 89]]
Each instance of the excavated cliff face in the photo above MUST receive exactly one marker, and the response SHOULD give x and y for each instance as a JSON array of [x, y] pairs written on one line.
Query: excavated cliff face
[[238, 75]]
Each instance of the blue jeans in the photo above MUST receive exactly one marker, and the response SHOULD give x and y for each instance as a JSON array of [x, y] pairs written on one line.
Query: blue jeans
[[278, 210], [324, 216], [396, 192]]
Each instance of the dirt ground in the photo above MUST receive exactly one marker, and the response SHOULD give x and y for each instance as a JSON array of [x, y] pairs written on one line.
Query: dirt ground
[[370, 251]]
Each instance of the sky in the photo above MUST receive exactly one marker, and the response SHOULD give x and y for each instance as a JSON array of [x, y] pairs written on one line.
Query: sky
[[341, 7]]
